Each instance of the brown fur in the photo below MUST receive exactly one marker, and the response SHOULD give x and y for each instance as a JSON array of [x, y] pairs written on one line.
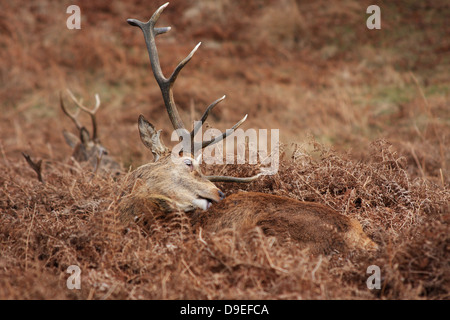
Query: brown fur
[[92, 155], [172, 179], [320, 228]]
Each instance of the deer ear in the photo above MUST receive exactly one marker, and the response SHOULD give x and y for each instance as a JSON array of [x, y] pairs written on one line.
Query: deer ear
[[151, 138], [146, 131], [71, 139]]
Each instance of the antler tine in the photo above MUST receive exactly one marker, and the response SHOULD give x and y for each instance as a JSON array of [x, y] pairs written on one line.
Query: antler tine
[[199, 124], [73, 117], [150, 32], [90, 112], [224, 135], [36, 166], [183, 62], [219, 138], [233, 179]]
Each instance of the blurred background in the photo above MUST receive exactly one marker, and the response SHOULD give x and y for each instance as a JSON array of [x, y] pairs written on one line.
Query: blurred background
[[306, 68]]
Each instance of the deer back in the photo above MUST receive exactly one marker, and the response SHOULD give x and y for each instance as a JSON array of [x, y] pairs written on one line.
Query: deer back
[[314, 225]]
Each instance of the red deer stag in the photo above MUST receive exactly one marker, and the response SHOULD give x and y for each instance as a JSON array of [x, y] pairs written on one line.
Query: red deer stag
[[174, 183], [87, 148]]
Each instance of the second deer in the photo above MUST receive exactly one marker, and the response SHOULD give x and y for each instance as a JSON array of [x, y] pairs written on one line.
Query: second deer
[[87, 148], [176, 183]]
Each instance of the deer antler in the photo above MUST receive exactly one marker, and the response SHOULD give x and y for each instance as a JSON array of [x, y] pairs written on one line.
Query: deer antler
[[166, 84], [74, 116], [232, 179], [36, 166], [92, 112], [150, 32]]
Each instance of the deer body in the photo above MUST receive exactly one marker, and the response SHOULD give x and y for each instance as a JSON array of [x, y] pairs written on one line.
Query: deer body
[[174, 182], [314, 225], [170, 185]]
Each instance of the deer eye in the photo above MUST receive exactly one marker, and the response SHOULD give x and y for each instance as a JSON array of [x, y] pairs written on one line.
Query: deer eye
[[188, 162]]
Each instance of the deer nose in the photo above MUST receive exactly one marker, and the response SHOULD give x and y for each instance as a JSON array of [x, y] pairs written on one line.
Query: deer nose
[[222, 195]]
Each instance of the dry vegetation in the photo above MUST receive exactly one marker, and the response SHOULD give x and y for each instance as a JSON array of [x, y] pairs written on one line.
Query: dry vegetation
[[364, 117]]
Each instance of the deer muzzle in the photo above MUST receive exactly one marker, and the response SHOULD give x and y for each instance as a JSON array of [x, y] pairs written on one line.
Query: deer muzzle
[[204, 203]]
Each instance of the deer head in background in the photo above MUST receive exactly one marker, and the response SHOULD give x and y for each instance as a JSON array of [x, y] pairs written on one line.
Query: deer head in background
[[87, 148]]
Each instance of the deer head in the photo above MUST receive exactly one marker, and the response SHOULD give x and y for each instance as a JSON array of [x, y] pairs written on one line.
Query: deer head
[[176, 180], [87, 148], [175, 177]]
